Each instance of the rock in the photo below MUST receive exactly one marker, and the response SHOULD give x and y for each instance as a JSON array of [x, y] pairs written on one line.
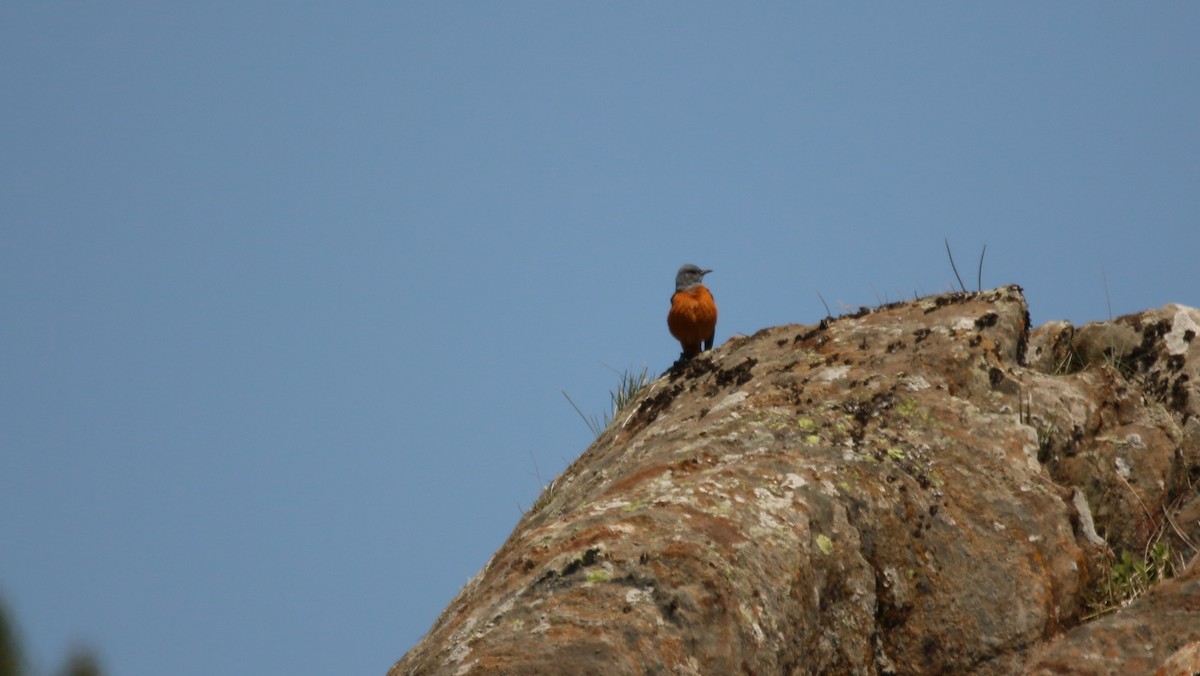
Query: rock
[[1156, 634], [1050, 349], [1184, 662], [892, 492], [1125, 428]]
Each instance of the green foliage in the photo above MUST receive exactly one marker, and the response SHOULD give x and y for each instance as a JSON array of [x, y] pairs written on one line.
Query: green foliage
[[543, 499], [1045, 431], [1120, 363], [629, 384], [1045, 437], [1131, 576]]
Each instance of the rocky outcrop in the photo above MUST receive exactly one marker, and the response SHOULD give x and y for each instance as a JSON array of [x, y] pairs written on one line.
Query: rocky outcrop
[[927, 487], [1155, 634]]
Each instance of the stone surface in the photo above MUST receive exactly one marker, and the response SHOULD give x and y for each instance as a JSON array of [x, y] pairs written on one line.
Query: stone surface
[[1184, 662], [928, 487], [1158, 633]]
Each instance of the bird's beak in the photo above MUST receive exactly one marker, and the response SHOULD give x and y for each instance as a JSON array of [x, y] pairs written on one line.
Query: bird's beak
[[705, 272]]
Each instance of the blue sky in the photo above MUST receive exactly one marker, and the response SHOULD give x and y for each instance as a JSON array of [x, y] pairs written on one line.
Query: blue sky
[[290, 290]]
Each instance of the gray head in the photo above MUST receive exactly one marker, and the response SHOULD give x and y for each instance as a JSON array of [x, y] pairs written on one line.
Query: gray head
[[689, 275]]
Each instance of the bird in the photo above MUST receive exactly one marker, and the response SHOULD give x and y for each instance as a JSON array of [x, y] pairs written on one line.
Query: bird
[[693, 315]]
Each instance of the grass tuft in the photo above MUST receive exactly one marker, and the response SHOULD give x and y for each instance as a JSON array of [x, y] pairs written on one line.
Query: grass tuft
[[1130, 577], [629, 384]]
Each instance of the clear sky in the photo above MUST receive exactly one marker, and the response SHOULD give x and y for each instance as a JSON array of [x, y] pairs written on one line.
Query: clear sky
[[289, 291]]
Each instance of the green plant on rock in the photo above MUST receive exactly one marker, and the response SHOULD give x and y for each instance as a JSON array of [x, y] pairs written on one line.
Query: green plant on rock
[[1045, 437], [1131, 576], [1045, 430], [544, 498], [629, 385], [1120, 363]]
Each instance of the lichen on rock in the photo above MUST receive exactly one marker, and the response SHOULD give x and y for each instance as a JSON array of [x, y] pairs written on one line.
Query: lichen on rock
[[928, 487]]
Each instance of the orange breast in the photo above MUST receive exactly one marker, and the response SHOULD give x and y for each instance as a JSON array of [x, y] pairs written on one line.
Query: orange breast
[[693, 317]]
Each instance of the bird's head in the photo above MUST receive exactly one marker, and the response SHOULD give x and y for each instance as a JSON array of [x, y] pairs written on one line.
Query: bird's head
[[688, 276]]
